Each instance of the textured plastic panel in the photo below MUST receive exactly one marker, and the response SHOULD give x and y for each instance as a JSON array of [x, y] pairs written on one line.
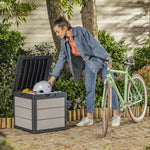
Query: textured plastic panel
[[24, 123], [51, 113], [53, 102], [23, 112], [50, 123], [30, 70], [23, 102]]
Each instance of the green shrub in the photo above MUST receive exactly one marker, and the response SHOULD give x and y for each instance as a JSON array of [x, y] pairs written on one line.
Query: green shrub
[[76, 92], [11, 45], [116, 49], [10, 48], [5, 143], [141, 56], [146, 147], [45, 49], [145, 73]]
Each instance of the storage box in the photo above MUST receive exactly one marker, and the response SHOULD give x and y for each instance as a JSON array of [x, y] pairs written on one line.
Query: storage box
[[37, 112]]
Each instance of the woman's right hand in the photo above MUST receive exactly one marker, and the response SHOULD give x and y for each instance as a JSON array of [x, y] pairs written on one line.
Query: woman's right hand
[[108, 63], [51, 81]]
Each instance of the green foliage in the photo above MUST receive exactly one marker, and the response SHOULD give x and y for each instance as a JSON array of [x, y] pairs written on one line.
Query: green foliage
[[145, 73], [5, 143], [68, 6], [115, 49], [76, 91], [17, 9], [141, 56], [120, 85], [12, 43], [11, 48], [146, 147], [45, 49], [6, 100]]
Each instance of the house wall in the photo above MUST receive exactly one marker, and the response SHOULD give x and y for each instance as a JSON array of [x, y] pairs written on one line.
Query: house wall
[[127, 20]]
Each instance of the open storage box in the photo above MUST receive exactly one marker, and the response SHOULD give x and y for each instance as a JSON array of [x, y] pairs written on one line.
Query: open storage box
[[37, 112]]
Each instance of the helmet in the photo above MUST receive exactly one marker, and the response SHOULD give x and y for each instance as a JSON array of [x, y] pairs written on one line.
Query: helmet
[[42, 87]]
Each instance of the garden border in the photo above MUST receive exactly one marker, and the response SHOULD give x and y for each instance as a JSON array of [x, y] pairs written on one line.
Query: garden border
[[72, 115]]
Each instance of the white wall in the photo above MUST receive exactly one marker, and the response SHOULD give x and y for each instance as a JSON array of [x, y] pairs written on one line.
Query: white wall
[[127, 20]]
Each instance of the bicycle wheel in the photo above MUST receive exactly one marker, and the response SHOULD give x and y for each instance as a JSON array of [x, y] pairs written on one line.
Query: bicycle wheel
[[137, 98], [106, 109]]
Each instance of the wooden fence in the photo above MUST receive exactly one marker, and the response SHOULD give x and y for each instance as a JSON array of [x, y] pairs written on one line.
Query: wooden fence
[[72, 115]]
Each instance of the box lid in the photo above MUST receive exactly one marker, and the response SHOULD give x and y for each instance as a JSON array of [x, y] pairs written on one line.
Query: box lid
[[30, 70]]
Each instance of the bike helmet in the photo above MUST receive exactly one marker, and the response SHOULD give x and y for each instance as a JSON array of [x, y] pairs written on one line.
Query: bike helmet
[[42, 87]]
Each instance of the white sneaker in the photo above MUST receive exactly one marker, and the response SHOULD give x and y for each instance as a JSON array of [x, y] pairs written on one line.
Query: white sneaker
[[85, 122], [116, 121]]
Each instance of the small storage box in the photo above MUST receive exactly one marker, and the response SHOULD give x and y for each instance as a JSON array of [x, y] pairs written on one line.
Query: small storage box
[[37, 112]]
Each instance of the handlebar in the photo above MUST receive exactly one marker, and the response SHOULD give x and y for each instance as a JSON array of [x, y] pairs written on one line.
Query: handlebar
[[125, 60]]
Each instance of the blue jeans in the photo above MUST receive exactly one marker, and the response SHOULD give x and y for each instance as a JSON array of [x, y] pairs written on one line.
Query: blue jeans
[[90, 81]]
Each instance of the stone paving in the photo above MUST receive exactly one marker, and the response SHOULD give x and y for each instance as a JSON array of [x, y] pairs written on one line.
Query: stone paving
[[128, 136]]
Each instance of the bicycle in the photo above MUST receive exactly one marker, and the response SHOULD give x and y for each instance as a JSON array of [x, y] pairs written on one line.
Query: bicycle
[[135, 94]]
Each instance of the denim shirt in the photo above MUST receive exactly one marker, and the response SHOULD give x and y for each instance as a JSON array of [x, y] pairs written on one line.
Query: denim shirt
[[86, 44]]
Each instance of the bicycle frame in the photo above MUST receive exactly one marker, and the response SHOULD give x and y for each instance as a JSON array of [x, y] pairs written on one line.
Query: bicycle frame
[[110, 79]]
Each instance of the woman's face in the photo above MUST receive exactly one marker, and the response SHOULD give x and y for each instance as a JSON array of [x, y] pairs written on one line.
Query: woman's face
[[61, 32]]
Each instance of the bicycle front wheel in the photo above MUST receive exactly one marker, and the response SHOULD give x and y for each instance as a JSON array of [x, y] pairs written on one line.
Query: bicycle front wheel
[[106, 109], [136, 98]]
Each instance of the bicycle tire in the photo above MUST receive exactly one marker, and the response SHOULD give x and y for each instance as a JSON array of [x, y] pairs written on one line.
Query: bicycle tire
[[106, 109], [138, 110]]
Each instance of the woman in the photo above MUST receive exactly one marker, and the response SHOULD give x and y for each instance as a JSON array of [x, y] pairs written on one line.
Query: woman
[[75, 44]]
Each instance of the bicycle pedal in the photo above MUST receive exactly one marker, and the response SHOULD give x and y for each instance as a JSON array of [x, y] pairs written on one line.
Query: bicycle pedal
[[121, 111]]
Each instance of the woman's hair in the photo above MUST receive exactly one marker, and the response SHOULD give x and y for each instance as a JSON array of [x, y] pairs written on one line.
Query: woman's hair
[[61, 22]]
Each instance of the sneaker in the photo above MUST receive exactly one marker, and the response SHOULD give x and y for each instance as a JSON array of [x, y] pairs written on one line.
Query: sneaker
[[85, 122], [116, 121]]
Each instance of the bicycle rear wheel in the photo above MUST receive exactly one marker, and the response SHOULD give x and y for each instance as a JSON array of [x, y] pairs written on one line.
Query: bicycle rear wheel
[[137, 98], [106, 109]]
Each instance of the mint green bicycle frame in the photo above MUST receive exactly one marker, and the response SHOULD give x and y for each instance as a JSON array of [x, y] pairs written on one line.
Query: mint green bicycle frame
[[111, 80]]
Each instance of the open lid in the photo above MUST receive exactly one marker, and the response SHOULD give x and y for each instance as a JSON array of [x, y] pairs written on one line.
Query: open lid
[[30, 70]]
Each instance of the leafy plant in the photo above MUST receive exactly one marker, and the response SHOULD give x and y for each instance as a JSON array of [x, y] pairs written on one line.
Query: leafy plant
[[67, 6], [75, 91], [146, 147], [116, 49], [145, 73], [5, 143], [45, 49], [11, 48], [17, 9], [141, 56]]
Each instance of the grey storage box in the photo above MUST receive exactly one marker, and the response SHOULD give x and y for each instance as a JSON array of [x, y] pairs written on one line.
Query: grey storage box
[[37, 112]]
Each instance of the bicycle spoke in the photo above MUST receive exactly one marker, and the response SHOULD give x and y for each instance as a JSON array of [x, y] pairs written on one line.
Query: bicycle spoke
[[106, 109], [137, 98]]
